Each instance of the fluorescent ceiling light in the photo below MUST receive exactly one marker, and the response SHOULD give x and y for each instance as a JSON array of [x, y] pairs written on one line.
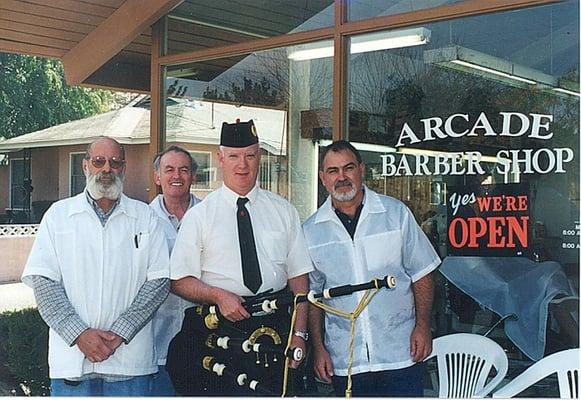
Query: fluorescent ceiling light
[[363, 43], [493, 71], [475, 62], [566, 91]]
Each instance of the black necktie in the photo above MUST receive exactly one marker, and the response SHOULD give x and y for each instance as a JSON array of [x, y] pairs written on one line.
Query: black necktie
[[250, 267]]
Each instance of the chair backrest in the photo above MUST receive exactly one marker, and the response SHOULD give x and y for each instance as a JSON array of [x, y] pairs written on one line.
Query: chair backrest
[[564, 363], [464, 363]]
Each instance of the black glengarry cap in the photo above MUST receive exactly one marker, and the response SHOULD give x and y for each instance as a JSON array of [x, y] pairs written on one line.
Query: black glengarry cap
[[238, 134]]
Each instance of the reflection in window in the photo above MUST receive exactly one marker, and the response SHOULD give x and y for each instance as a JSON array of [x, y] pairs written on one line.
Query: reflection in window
[[476, 130], [205, 174], [289, 101], [198, 24], [363, 9]]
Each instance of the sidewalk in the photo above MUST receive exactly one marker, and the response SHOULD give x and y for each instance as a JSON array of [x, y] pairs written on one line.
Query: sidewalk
[[15, 296]]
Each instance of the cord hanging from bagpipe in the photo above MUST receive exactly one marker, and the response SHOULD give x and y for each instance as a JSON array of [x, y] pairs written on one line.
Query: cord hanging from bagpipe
[[352, 316]]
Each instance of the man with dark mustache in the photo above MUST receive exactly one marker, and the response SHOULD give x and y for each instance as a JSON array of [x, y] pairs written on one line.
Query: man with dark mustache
[[99, 268], [355, 236]]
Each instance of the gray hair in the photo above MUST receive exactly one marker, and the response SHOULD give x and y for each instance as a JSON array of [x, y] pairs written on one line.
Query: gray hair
[[100, 138], [176, 149]]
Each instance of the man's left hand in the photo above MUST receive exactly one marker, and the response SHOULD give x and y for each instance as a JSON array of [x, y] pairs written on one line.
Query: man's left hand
[[114, 343], [297, 342], [421, 343]]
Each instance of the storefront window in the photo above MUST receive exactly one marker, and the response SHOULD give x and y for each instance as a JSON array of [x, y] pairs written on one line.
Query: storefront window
[[199, 24], [286, 93], [474, 124], [363, 9]]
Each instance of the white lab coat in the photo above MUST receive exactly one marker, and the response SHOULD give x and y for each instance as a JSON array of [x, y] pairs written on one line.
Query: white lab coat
[[101, 269], [167, 320], [387, 241]]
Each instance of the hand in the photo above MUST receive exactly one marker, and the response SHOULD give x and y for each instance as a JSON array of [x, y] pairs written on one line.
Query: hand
[[115, 342], [297, 342], [322, 364], [420, 343], [94, 344], [230, 306]]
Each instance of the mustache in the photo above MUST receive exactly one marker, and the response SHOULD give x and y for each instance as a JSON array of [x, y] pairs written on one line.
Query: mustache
[[110, 176], [343, 183]]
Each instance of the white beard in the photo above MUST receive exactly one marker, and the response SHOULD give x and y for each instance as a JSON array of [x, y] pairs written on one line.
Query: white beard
[[98, 190]]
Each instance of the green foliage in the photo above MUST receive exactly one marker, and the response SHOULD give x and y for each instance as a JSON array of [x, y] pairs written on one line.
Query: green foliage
[[23, 351], [34, 95]]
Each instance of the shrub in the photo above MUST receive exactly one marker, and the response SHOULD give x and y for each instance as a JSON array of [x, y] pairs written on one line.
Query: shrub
[[23, 351]]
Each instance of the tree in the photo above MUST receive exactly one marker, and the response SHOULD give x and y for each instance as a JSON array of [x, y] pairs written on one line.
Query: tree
[[34, 95]]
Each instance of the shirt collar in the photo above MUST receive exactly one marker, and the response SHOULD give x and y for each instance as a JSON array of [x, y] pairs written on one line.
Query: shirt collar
[[371, 201], [232, 197], [166, 212], [81, 204]]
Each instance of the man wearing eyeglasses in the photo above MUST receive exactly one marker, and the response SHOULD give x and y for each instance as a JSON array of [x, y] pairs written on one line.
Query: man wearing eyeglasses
[[175, 172], [99, 270]]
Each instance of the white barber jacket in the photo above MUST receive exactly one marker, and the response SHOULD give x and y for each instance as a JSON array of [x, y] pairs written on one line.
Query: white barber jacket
[[387, 241], [167, 320], [102, 270]]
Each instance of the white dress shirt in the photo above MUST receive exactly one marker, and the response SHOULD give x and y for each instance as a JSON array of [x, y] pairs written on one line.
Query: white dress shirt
[[207, 244], [167, 321], [387, 241]]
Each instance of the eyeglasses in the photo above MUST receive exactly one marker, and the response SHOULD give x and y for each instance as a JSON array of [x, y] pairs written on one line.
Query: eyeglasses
[[99, 162]]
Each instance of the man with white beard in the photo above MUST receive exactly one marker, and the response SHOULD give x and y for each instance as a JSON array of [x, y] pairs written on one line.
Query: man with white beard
[[99, 268], [355, 236]]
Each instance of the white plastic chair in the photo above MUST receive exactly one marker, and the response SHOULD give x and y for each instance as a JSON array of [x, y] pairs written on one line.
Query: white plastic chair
[[464, 364], [564, 363]]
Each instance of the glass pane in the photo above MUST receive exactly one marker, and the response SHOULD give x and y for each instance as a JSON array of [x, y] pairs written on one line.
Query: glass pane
[[77, 177], [288, 97], [474, 124], [205, 171], [363, 9], [198, 24]]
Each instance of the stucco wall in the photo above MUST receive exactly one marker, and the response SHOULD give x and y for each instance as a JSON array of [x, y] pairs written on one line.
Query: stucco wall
[[64, 168], [44, 173], [14, 251]]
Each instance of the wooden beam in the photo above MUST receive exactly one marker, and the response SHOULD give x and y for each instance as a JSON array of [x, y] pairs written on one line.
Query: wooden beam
[[112, 36], [340, 108], [157, 93]]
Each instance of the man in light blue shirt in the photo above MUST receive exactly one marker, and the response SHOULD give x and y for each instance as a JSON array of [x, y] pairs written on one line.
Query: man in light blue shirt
[[355, 236], [175, 172]]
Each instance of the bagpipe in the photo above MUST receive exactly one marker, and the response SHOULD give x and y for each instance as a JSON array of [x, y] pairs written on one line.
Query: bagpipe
[[214, 356]]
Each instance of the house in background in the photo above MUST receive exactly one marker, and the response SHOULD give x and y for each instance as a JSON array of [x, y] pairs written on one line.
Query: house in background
[[41, 167]]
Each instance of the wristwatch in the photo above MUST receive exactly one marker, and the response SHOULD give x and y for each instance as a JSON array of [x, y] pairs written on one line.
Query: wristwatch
[[303, 335]]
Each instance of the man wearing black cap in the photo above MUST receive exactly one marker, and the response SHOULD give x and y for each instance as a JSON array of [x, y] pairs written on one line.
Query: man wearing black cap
[[239, 242]]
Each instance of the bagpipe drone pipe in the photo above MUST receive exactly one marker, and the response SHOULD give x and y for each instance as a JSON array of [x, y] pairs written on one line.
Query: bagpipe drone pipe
[[212, 356]]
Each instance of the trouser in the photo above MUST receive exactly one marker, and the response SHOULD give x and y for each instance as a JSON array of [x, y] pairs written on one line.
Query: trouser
[[161, 385], [405, 382], [137, 386]]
